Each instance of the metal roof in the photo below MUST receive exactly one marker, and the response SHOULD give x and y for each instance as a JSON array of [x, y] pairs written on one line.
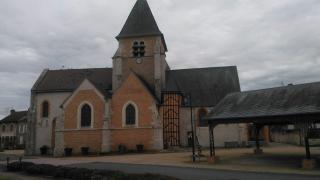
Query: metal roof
[[207, 86], [291, 100]]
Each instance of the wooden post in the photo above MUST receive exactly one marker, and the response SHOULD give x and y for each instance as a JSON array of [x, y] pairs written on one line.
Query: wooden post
[[8, 161], [257, 133], [306, 141], [211, 139], [213, 158], [308, 163]]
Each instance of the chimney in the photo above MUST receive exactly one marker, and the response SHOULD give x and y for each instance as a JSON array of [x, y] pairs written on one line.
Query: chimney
[[12, 111]]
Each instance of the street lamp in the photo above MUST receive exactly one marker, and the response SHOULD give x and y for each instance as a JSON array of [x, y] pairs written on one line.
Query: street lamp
[[188, 102]]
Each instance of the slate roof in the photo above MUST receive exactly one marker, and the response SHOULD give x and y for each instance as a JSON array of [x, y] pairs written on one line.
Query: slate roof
[[207, 86], [67, 80], [15, 117], [299, 99], [140, 22]]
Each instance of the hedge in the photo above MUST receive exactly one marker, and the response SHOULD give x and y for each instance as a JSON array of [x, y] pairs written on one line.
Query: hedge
[[79, 173]]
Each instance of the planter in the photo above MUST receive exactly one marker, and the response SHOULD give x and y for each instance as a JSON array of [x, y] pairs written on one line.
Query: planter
[[122, 149], [44, 150], [85, 151], [140, 147], [67, 151]]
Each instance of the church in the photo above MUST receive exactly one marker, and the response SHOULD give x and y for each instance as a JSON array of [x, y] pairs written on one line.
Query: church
[[138, 103]]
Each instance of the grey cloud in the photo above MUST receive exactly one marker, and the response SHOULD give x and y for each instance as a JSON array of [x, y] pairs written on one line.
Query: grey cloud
[[272, 42]]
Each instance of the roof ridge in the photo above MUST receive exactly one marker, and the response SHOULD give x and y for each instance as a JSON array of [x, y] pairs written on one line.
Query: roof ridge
[[21, 111], [78, 69], [280, 87], [202, 68]]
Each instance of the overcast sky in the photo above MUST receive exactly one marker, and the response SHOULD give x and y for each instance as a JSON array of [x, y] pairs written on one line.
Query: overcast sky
[[272, 42]]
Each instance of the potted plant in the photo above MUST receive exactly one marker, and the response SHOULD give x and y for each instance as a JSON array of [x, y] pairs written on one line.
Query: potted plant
[[67, 151], [140, 148], [44, 150], [85, 151]]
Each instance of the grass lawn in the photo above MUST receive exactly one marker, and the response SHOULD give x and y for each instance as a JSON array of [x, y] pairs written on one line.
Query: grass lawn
[[4, 178]]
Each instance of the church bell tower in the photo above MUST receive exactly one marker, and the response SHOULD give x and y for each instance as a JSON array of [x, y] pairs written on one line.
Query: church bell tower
[[142, 50]]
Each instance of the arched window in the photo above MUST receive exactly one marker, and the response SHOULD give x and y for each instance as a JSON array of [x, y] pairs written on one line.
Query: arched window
[[130, 115], [86, 115], [11, 128], [4, 128], [201, 114], [45, 109]]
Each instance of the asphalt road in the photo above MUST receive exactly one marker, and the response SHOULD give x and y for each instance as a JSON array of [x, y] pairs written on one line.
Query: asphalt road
[[195, 173]]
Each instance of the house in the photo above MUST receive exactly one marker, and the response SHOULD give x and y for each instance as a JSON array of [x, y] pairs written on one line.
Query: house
[[13, 130]]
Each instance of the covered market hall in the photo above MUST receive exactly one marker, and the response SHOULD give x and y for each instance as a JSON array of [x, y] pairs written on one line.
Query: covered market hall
[[297, 105]]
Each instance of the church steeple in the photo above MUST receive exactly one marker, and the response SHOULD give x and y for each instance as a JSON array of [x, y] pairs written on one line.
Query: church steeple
[[142, 49], [140, 22]]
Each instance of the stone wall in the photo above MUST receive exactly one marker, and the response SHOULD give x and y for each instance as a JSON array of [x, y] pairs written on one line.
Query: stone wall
[[287, 137], [43, 126], [152, 67]]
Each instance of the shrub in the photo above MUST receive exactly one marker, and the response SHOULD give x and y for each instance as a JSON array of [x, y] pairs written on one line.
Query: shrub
[[62, 172], [34, 170], [47, 169], [79, 174], [107, 173], [17, 166]]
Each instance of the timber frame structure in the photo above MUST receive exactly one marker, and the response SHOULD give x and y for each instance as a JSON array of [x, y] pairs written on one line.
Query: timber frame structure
[[171, 102], [288, 105], [304, 121]]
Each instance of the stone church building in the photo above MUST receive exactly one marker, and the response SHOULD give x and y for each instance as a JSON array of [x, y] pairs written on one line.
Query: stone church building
[[139, 101]]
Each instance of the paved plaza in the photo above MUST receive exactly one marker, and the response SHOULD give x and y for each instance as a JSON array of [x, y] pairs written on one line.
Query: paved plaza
[[277, 161]]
